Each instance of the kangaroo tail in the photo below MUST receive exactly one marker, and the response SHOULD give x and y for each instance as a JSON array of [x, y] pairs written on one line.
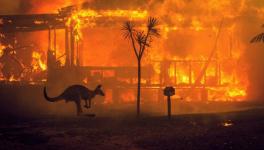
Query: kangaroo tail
[[50, 99]]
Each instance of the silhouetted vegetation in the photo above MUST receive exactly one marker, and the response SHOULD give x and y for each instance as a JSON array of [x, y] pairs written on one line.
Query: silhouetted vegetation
[[140, 41]]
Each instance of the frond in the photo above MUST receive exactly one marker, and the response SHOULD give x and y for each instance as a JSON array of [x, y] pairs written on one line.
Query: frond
[[126, 35], [155, 32], [128, 28], [152, 23], [140, 37], [258, 38]]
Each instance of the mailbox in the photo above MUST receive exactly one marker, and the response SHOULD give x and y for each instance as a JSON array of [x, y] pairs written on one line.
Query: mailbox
[[169, 91]]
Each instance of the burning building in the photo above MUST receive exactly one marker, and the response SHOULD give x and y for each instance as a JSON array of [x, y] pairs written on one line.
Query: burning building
[[200, 51]]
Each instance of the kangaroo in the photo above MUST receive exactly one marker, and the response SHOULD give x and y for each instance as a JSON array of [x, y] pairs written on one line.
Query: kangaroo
[[75, 93]]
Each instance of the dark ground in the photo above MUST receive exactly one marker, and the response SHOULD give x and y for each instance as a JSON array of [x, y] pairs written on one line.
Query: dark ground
[[216, 131]]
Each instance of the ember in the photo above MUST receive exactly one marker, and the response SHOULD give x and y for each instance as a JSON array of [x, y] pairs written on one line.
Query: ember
[[227, 123]]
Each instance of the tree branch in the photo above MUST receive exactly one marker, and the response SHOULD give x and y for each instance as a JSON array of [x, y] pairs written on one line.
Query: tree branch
[[134, 46], [141, 52]]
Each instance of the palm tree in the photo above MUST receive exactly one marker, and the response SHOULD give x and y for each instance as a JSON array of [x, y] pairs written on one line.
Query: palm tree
[[140, 41]]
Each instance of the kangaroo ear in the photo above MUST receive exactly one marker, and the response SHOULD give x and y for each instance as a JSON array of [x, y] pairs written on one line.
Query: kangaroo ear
[[99, 86]]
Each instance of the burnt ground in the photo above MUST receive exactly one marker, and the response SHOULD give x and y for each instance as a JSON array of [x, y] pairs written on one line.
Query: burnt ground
[[215, 131]]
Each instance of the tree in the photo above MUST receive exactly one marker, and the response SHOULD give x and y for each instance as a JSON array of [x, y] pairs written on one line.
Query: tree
[[140, 41]]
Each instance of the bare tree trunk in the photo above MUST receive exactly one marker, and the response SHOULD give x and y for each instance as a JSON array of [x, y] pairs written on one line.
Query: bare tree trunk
[[139, 85]]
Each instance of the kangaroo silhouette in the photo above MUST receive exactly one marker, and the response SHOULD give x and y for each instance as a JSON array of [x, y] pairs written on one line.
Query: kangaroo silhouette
[[76, 93]]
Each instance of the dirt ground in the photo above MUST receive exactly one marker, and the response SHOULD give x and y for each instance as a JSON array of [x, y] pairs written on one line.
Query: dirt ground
[[214, 131]]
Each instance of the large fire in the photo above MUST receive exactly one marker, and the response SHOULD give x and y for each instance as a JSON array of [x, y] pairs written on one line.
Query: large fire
[[87, 18], [189, 33]]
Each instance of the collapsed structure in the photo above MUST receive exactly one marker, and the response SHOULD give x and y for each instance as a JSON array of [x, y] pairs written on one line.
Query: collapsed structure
[[205, 78]]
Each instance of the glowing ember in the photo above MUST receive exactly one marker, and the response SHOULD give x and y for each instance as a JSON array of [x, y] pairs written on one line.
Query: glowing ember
[[227, 123], [236, 92], [39, 63], [2, 47], [12, 79]]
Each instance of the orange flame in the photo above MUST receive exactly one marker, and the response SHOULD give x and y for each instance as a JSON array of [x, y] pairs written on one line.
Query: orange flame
[[2, 47], [128, 96], [39, 63], [175, 26], [87, 18]]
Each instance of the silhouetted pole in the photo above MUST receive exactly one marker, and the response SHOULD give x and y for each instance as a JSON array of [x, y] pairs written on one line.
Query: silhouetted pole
[[169, 107], [169, 91], [138, 90]]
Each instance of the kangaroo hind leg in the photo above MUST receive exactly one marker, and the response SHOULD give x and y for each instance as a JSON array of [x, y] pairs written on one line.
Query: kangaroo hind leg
[[90, 103], [86, 104], [78, 107]]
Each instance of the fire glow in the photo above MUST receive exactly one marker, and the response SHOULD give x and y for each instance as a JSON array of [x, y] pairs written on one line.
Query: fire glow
[[86, 18], [39, 62], [224, 78]]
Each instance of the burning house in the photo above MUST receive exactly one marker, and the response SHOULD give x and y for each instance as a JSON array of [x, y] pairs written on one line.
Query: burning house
[[198, 52]]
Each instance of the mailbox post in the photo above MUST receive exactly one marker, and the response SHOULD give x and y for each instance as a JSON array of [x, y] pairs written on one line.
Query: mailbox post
[[169, 91]]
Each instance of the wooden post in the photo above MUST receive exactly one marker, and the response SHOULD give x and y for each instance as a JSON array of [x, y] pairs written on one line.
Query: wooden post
[[67, 50], [77, 53], [55, 40], [175, 73], [219, 74], [190, 72], [169, 107], [49, 42], [72, 45]]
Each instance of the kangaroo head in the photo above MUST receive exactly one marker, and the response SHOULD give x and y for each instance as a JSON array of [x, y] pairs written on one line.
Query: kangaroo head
[[99, 91]]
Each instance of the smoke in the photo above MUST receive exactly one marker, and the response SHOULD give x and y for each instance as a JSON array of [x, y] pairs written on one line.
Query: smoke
[[249, 25], [10, 7]]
